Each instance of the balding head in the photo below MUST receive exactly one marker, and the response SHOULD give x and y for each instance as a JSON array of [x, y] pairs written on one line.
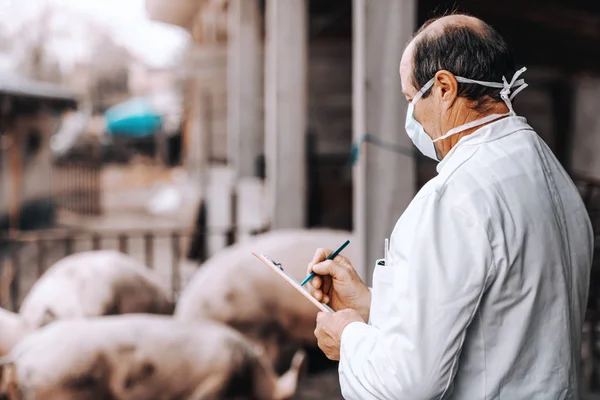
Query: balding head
[[463, 45], [443, 51], [437, 26]]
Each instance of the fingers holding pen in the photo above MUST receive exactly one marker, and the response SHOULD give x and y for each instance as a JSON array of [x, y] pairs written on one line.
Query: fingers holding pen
[[314, 285]]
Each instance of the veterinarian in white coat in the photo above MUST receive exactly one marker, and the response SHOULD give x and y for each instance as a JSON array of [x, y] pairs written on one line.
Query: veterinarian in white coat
[[485, 287]]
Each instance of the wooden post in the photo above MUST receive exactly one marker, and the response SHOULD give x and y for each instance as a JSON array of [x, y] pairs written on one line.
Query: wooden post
[[286, 112], [16, 175], [385, 181], [359, 110], [15, 171], [244, 86], [160, 146]]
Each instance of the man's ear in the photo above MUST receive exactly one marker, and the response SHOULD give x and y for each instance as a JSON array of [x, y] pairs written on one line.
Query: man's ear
[[447, 85]]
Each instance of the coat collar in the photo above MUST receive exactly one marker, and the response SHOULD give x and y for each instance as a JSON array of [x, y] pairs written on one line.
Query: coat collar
[[489, 132]]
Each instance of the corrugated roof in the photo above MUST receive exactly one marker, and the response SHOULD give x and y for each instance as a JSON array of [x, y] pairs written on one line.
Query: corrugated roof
[[19, 86]]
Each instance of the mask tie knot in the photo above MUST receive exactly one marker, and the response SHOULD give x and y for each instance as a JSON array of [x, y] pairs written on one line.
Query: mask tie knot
[[507, 88]]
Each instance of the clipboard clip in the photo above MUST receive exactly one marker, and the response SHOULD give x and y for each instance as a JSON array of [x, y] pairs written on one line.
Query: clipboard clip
[[273, 261], [278, 269]]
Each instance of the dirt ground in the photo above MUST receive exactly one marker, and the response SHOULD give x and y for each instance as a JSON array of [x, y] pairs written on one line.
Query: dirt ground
[[320, 386]]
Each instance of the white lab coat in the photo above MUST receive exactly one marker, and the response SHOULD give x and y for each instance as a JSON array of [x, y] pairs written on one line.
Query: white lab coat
[[485, 289]]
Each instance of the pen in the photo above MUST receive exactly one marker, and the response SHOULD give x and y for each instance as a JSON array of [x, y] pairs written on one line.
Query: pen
[[331, 257], [385, 251]]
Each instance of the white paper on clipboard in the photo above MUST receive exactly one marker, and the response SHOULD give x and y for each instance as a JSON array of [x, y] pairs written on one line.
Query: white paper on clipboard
[[278, 269]]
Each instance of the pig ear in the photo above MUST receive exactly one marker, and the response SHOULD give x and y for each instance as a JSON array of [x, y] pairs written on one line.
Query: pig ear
[[138, 370], [48, 317], [138, 374], [126, 350]]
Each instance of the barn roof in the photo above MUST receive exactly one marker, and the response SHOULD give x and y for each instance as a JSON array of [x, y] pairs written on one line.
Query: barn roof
[[22, 87]]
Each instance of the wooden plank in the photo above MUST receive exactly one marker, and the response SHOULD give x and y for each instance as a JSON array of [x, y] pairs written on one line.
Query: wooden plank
[[244, 83], [286, 112]]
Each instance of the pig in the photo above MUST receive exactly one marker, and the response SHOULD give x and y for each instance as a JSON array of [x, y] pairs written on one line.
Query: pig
[[142, 357], [94, 283], [12, 330], [235, 288]]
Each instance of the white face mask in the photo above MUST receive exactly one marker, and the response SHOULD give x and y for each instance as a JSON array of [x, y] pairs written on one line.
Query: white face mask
[[423, 141]]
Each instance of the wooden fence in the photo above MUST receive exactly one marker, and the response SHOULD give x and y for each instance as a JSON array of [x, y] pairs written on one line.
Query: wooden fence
[[77, 181], [25, 256]]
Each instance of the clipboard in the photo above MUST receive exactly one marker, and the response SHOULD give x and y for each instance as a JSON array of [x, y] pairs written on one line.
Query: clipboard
[[278, 269]]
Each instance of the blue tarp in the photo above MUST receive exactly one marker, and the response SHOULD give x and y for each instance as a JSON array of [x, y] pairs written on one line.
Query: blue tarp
[[135, 117]]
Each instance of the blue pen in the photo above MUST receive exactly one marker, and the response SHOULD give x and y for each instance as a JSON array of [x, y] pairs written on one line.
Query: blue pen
[[331, 257]]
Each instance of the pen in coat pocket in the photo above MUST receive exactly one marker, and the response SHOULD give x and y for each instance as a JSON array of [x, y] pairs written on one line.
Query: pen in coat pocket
[[385, 251]]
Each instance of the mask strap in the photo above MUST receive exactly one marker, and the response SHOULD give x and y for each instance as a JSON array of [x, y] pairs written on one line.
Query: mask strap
[[515, 83], [482, 83], [425, 88], [506, 86], [505, 95], [512, 96], [470, 125]]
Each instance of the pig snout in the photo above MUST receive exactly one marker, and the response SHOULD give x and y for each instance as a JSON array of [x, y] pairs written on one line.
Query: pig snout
[[267, 386], [251, 376], [287, 384], [12, 332], [9, 389]]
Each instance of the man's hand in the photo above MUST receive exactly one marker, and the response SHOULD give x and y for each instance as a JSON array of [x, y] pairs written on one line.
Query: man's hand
[[329, 330], [337, 284]]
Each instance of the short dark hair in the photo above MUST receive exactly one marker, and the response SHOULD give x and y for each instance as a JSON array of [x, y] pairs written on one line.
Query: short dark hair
[[478, 53]]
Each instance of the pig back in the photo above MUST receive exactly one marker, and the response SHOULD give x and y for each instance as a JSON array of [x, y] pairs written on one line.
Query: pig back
[[134, 357], [176, 358], [64, 360], [93, 283]]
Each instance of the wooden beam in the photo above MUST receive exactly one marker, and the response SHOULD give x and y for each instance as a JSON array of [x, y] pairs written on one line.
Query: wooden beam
[[244, 88], [359, 128], [286, 111], [16, 174]]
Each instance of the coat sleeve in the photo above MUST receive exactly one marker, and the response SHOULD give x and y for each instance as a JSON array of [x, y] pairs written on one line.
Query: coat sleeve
[[441, 263]]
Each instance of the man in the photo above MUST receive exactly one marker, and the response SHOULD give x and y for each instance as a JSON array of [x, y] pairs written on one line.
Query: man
[[485, 287]]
